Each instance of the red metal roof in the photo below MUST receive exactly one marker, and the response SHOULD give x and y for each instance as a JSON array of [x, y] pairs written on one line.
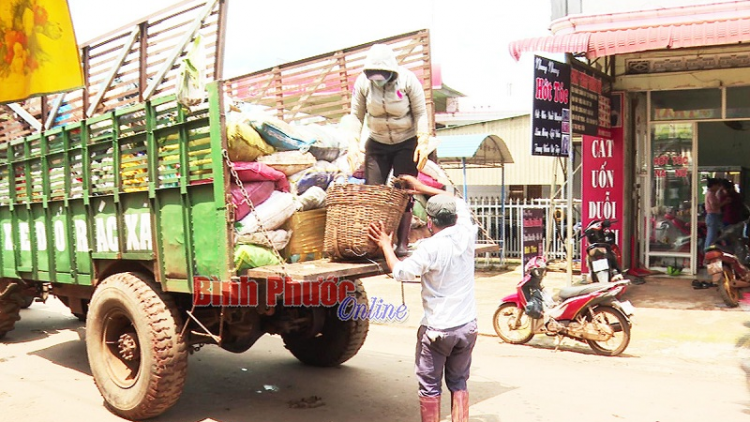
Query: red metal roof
[[629, 32]]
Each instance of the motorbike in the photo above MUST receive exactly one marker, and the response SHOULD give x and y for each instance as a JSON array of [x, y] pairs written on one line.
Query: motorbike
[[603, 255], [591, 313], [728, 262]]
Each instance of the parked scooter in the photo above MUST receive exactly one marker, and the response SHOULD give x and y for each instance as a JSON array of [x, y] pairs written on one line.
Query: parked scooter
[[728, 262], [591, 313], [603, 256]]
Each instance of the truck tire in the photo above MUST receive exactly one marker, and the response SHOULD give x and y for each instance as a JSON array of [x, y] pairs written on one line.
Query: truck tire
[[137, 356], [27, 301], [338, 341], [9, 314]]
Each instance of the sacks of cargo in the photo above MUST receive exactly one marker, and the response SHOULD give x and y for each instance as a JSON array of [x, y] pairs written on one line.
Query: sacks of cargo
[[244, 143], [277, 239], [312, 199], [279, 134], [288, 162], [259, 172], [252, 256], [269, 215], [433, 170], [320, 175], [329, 142], [430, 181], [258, 192], [134, 175]]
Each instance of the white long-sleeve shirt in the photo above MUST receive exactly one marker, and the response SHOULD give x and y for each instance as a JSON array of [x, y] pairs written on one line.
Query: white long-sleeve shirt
[[445, 262]]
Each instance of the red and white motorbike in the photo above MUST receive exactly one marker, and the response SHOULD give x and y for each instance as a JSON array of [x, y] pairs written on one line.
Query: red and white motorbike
[[591, 313]]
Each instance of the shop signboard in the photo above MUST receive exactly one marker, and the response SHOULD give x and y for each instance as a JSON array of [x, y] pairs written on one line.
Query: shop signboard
[[532, 228], [550, 118], [589, 102], [602, 181]]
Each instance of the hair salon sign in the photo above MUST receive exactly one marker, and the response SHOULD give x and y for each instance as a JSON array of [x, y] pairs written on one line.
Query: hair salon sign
[[602, 179]]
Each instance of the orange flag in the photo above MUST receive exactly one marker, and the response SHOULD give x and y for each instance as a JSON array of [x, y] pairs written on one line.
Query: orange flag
[[38, 50]]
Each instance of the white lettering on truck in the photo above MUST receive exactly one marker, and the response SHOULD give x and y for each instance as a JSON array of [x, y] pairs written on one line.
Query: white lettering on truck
[[137, 226]]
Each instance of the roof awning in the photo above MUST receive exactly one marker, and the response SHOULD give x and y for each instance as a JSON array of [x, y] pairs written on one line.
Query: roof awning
[[630, 32], [480, 150]]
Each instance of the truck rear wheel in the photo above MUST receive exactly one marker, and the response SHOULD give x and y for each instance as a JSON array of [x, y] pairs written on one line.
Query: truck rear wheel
[[338, 340], [27, 301], [9, 314], [10, 306], [137, 357]]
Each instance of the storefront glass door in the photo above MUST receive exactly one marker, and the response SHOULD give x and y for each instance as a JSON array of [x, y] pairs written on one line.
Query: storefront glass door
[[672, 213]]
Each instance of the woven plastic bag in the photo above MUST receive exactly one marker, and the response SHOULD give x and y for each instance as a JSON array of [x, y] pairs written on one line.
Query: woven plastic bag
[[288, 162], [280, 135], [269, 215], [191, 80], [320, 175], [259, 172], [257, 192], [252, 256], [312, 199], [244, 143], [275, 238]]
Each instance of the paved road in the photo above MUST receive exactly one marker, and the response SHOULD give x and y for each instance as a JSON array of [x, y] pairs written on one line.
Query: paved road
[[679, 376]]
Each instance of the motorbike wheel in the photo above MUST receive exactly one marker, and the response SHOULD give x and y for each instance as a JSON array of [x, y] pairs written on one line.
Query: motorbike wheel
[[615, 320], [512, 324], [730, 295]]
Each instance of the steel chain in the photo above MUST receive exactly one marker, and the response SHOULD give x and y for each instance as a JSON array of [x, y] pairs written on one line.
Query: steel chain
[[246, 197]]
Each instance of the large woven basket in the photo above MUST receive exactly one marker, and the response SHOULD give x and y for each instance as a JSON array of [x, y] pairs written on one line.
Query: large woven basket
[[350, 210]]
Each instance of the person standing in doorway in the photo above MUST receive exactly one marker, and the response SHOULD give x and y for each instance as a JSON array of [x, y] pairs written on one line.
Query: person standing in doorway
[[390, 101], [448, 330], [713, 211], [731, 203]]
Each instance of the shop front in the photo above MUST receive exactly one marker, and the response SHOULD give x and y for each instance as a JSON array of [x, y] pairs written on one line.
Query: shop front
[[693, 134], [684, 78]]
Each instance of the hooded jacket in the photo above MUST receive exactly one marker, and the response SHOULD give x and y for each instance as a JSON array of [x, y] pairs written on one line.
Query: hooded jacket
[[395, 112]]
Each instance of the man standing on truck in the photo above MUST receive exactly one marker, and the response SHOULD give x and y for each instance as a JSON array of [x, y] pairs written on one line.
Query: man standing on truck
[[448, 330], [392, 99]]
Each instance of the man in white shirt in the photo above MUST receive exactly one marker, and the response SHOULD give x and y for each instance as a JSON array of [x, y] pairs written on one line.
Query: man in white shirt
[[448, 331]]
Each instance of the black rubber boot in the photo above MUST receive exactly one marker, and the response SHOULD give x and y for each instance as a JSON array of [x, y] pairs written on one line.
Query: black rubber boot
[[404, 228]]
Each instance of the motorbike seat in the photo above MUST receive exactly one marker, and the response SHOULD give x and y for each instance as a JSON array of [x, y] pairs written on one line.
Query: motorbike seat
[[572, 291]]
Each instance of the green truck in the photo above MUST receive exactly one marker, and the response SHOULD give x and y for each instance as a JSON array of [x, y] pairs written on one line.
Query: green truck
[[115, 198]]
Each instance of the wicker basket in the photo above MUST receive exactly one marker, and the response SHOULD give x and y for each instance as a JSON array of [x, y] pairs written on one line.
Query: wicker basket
[[350, 210]]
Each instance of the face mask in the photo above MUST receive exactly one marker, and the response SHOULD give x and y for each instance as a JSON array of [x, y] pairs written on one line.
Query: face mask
[[380, 83]]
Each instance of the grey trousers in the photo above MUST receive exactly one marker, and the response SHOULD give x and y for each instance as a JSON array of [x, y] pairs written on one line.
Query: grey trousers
[[450, 349]]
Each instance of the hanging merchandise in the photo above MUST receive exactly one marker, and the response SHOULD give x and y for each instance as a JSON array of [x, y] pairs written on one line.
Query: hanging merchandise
[[191, 81]]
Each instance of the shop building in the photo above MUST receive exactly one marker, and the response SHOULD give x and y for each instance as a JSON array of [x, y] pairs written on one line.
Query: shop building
[[679, 83]]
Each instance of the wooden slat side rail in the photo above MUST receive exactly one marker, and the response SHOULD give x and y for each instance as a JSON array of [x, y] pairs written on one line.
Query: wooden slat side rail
[[295, 91]]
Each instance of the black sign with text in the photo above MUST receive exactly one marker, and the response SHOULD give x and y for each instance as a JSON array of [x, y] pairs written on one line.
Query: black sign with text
[[533, 233], [550, 118], [589, 103]]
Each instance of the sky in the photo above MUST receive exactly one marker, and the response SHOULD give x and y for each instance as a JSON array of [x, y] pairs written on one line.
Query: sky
[[469, 38]]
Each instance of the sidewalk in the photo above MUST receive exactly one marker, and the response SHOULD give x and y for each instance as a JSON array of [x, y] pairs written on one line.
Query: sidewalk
[[669, 312]]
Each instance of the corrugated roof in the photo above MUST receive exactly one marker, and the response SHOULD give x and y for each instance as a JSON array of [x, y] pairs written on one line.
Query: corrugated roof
[[630, 32], [476, 150]]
